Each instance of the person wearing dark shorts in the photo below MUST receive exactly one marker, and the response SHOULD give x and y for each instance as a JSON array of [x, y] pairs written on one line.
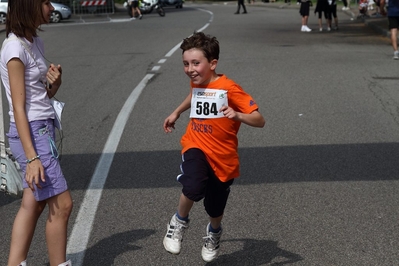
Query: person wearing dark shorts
[[218, 106], [304, 11], [393, 23], [200, 182], [331, 14], [322, 6], [134, 5]]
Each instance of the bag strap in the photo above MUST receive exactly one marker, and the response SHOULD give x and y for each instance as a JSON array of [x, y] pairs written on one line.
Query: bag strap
[[2, 134]]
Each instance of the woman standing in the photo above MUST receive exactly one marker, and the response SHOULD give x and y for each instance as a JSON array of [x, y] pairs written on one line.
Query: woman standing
[[304, 11], [29, 85]]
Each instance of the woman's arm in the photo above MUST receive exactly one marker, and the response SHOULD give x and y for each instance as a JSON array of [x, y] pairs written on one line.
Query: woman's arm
[[16, 74]]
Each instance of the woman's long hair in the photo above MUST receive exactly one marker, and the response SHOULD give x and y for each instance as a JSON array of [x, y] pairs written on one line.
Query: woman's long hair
[[24, 17]]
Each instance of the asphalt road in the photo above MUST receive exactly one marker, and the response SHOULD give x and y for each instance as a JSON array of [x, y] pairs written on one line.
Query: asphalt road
[[318, 184]]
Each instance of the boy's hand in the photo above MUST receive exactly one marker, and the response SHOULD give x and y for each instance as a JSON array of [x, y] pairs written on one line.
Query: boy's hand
[[228, 112], [169, 123]]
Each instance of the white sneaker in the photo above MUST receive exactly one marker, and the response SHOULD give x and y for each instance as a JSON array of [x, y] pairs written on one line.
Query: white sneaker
[[67, 263], [210, 249], [321, 29], [396, 55], [328, 29], [174, 235], [22, 263], [305, 29]]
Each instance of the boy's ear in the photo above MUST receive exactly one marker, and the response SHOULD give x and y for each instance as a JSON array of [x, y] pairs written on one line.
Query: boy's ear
[[214, 63]]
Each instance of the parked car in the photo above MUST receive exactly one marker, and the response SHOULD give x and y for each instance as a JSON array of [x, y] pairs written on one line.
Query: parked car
[[176, 3], [3, 10], [60, 12]]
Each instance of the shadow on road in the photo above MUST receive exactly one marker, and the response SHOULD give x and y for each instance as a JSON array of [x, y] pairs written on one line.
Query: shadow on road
[[106, 250], [257, 252], [325, 163]]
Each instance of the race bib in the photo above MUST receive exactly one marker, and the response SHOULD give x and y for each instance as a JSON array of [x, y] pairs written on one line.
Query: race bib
[[206, 103]]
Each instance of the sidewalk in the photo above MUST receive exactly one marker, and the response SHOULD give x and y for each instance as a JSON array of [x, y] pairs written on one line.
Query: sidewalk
[[379, 24]]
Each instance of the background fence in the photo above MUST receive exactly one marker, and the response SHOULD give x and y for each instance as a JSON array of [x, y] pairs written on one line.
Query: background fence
[[89, 6]]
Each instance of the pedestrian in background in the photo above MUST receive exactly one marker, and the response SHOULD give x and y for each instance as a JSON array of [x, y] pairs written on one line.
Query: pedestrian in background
[[322, 7], [346, 6], [209, 147], [333, 14], [29, 85], [393, 23], [134, 5], [304, 11], [241, 3]]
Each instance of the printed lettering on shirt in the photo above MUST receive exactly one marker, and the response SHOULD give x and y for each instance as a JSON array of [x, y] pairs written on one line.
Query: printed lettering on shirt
[[206, 103], [201, 127]]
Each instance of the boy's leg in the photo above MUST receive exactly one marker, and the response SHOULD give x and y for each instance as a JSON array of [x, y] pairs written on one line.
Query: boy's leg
[[177, 225], [24, 227], [194, 179], [60, 208], [215, 202], [185, 205]]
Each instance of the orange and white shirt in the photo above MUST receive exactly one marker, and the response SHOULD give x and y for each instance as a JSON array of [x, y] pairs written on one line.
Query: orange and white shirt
[[213, 133]]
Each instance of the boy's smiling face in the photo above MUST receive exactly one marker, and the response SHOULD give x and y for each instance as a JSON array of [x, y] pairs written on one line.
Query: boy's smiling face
[[198, 68]]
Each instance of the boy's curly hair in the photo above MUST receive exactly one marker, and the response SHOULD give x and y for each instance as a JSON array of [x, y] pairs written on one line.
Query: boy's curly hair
[[209, 45]]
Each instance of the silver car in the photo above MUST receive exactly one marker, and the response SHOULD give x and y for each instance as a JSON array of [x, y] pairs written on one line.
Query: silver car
[[60, 12], [3, 10]]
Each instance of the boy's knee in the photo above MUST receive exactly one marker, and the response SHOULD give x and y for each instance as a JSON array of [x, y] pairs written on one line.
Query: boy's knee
[[193, 193]]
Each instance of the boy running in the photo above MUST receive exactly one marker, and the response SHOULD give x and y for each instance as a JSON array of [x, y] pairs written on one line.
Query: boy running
[[209, 154]]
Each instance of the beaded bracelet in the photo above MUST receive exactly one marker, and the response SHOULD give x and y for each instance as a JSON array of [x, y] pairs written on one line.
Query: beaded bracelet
[[34, 158]]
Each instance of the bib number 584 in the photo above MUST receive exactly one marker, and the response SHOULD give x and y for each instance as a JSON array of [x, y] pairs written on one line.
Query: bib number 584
[[206, 108]]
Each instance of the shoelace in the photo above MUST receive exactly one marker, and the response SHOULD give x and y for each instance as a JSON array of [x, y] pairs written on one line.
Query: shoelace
[[211, 241], [178, 231]]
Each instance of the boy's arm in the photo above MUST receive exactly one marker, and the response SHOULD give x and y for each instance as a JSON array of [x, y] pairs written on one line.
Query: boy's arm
[[169, 122], [254, 119]]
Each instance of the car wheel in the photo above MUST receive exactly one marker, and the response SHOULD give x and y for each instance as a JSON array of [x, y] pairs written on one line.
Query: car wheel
[[2, 18], [55, 17]]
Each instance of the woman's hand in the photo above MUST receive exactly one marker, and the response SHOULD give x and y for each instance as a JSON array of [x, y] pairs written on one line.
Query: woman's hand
[[34, 173], [54, 76]]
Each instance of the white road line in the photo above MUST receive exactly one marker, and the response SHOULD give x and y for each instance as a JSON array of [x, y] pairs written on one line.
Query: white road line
[[79, 238], [81, 231]]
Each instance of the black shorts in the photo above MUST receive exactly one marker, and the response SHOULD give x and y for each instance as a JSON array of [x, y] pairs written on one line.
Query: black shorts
[[304, 9], [135, 4], [393, 22], [200, 182], [333, 11]]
